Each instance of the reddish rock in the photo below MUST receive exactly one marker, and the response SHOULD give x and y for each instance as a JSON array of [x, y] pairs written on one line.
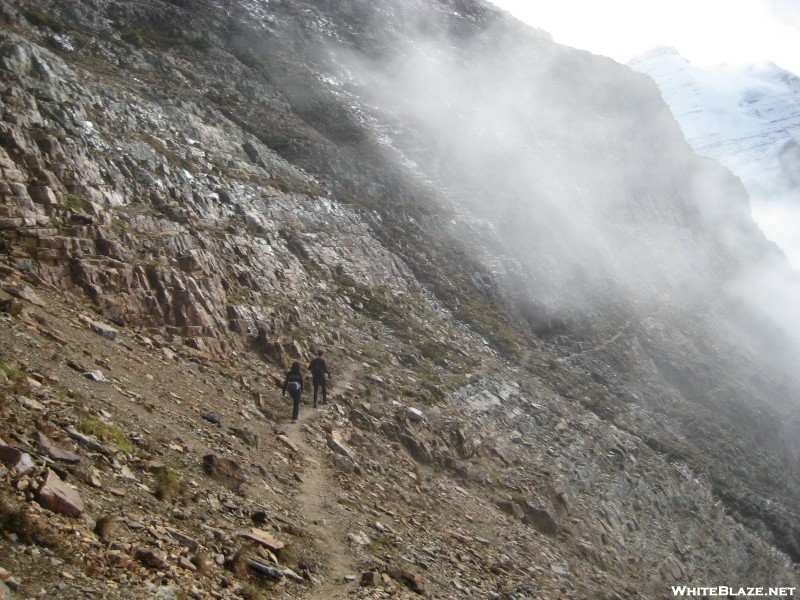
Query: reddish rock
[[53, 494], [46, 446], [150, 557]]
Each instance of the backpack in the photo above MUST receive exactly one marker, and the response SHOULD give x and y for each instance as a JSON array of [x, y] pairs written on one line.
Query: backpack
[[318, 367], [293, 386]]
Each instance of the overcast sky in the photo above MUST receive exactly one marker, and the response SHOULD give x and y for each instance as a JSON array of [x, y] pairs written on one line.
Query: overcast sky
[[706, 32]]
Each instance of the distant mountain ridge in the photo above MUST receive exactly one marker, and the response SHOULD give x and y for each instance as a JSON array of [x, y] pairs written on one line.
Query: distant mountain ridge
[[742, 116]]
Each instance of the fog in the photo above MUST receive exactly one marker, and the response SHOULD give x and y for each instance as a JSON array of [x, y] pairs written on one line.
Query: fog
[[599, 208]]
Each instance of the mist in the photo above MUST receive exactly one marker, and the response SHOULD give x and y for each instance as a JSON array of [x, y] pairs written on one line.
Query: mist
[[598, 206]]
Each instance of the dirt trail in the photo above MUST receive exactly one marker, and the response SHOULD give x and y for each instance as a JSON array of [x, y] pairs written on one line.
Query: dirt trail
[[318, 507]]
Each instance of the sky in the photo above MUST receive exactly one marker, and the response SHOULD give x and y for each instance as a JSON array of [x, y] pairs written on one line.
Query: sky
[[706, 32]]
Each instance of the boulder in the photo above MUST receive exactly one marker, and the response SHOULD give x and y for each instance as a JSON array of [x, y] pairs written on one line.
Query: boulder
[[542, 518], [417, 446], [105, 330], [344, 463], [262, 537], [224, 470], [289, 444], [511, 508], [359, 538], [341, 448], [151, 557], [47, 447], [24, 292], [53, 494], [212, 417], [415, 415]]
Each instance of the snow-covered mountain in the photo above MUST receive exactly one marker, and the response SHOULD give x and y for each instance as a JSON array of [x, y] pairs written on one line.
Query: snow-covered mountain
[[744, 117]]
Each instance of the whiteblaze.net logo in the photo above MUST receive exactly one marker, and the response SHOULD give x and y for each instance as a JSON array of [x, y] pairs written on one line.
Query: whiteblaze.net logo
[[722, 590]]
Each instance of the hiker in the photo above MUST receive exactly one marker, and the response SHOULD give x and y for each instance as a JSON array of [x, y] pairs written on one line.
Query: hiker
[[294, 383], [319, 370]]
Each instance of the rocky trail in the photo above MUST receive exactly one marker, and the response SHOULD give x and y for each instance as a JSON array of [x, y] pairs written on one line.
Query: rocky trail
[[317, 502]]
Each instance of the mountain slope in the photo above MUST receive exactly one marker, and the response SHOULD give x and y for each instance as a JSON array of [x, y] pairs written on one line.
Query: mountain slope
[[742, 116], [511, 235]]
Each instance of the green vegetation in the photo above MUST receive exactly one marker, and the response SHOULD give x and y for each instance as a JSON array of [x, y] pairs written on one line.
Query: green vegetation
[[150, 38], [12, 373], [286, 555], [133, 37], [372, 548], [40, 19], [238, 562], [201, 43], [105, 431], [75, 203], [601, 404], [168, 485]]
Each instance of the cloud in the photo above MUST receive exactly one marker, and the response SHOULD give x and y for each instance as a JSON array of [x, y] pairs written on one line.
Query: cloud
[[788, 11]]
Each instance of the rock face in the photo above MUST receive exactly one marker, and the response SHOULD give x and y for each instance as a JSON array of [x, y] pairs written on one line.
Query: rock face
[[234, 184]]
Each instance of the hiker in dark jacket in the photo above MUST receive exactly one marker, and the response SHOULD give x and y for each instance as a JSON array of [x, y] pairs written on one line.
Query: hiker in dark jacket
[[294, 383], [319, 369]]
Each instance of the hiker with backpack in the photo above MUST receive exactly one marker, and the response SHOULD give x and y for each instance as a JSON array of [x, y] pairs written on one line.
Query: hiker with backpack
[[319, 370], [294, 383]]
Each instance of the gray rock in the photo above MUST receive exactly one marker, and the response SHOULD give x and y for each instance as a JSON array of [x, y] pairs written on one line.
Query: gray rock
[[24, 292], [272, 570], [212, 417], [16, 459], [104, 330], [344, 463], [169, 592], [248, 437], [414, 414], [96, 375], [359, 538], [341, 448], [46, 446]]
